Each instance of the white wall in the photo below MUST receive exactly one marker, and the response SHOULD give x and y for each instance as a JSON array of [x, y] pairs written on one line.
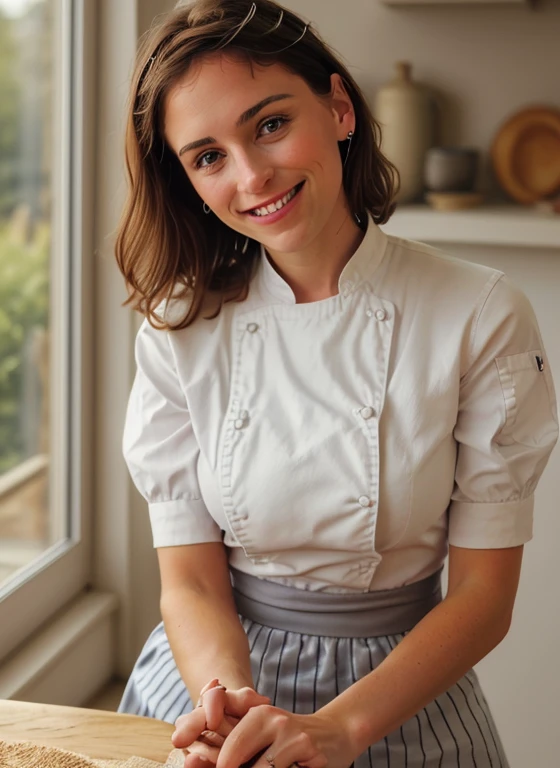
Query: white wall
[[484, 62]]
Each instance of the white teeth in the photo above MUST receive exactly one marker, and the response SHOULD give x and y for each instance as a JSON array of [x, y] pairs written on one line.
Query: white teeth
[[273, 207]]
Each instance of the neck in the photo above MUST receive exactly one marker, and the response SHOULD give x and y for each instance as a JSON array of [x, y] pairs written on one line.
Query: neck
[[313, 274]]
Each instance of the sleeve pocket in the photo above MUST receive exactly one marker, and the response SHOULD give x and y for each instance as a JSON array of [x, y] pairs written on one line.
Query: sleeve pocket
[[529, 397]]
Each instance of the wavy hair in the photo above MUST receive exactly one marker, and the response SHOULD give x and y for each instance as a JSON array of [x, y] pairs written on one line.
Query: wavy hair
[[166, 246]]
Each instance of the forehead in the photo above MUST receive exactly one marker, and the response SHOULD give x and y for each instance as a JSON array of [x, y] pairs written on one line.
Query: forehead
[[218, 88]]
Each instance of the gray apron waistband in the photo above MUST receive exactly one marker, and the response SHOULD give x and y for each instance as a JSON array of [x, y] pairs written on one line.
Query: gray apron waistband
[[364, 614]]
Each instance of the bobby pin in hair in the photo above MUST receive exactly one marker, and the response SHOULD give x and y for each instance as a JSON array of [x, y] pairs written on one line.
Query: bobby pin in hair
[[275, 27], [240, 26], [291, 45]]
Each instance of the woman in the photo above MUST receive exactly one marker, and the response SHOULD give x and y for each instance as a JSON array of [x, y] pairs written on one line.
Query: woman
[[321, 413]]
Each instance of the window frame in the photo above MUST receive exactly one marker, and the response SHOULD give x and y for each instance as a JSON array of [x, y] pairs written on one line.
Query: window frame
[[40, 590]]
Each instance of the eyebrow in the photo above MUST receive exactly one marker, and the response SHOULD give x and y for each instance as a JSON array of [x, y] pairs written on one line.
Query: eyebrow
[[249, 114]]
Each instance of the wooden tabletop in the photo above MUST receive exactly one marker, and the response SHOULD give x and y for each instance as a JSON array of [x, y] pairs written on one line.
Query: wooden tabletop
[[96, 734]]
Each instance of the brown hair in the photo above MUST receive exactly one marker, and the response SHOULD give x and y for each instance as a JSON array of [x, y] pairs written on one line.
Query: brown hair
[[166, 246]]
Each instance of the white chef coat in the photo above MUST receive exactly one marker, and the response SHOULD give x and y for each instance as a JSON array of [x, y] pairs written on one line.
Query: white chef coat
[[340, 445]]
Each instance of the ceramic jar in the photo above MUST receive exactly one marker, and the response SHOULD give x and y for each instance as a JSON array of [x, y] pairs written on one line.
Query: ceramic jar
[[405, 111], [450, 169]]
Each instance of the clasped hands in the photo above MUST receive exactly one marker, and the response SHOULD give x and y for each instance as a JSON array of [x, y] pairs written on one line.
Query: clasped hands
[[229, 728]]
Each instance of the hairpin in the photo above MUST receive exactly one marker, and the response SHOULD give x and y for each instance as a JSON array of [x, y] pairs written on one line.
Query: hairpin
[[281, 50], [240, 26], [278, 23]]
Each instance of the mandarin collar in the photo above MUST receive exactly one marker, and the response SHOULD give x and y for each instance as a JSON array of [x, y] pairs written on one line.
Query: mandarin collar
[[359, 268]]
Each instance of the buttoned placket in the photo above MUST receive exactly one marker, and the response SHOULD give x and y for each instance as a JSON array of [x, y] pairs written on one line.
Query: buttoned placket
[[379, 316], [378, 320]]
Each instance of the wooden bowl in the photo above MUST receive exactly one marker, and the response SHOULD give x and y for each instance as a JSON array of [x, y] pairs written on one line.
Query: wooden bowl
[[526, 154]]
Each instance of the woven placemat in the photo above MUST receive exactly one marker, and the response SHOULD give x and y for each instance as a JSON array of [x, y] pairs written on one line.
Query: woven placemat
[[24, 754]]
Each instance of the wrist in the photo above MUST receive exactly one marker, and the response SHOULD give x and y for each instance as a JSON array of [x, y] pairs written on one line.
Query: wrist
[[355, 730]]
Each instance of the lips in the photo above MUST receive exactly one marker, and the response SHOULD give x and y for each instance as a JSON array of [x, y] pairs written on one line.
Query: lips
[[276, 203]]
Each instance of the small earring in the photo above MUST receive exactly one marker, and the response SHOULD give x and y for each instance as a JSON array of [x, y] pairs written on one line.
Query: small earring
[[349, 139], [205, 208]]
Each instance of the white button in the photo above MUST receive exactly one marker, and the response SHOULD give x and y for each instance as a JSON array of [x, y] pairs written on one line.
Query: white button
[[239, 423], [368, 412], [381, 315], [369, 312], [252, 327], [364, 501]]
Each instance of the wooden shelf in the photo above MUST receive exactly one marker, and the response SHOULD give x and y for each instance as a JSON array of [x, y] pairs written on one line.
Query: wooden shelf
[[508, 225]]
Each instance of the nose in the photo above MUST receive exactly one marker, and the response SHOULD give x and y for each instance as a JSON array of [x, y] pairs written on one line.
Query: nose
[[254, 171]]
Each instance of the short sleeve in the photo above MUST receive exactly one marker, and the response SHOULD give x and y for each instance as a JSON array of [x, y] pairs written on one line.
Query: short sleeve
[[507, 424], [160, 447]]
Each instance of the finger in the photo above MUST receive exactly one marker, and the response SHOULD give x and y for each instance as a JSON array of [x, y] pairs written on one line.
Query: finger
[[196, 761], [214, 704], [188, 728], [211, 738], [239, 702], [204, 751], [227, 725], [212, 684], [297, 751], [252, 734]]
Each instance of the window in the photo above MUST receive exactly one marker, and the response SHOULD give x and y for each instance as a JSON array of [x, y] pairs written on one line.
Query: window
[[45, 60]]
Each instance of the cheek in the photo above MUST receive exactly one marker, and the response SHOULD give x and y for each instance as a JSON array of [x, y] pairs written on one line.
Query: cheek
[[211, 189], [314, 149]]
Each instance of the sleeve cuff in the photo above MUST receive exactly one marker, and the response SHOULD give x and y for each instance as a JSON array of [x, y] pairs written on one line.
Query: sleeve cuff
[[185, 521], [491, 526]]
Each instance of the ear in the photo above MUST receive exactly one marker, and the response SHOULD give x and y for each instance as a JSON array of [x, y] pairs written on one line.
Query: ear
[[342, 108]]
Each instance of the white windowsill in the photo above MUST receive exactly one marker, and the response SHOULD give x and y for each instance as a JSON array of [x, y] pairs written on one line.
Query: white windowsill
[[68, 661], [501, 225]]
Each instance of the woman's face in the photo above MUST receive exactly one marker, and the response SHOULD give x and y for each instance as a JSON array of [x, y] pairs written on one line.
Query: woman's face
[[261, 149]]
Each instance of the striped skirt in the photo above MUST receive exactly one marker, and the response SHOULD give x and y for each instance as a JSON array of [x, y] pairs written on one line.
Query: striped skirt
[[301, 671]]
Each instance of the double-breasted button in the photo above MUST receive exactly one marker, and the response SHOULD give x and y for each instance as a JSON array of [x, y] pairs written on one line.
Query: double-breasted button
[[364, 501], [241, 420], [381, 315], [252, 327], [367, 412]]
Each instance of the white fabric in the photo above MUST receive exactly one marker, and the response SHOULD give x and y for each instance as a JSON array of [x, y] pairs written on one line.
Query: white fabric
[[340, 445]]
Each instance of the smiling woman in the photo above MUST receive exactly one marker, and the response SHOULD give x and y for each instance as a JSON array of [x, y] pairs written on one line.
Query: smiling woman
[[272, 163], [280, 78], [321, 413]]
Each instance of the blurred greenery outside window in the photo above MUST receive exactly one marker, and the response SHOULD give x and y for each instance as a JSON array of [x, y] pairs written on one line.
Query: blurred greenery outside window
[[26, 120]]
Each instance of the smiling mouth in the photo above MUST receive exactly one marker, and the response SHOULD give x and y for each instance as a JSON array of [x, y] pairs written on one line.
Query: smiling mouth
[[267, 210]]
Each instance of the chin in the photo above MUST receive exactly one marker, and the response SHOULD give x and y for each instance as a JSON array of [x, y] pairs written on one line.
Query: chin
[[284, 243], [292, 240]]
